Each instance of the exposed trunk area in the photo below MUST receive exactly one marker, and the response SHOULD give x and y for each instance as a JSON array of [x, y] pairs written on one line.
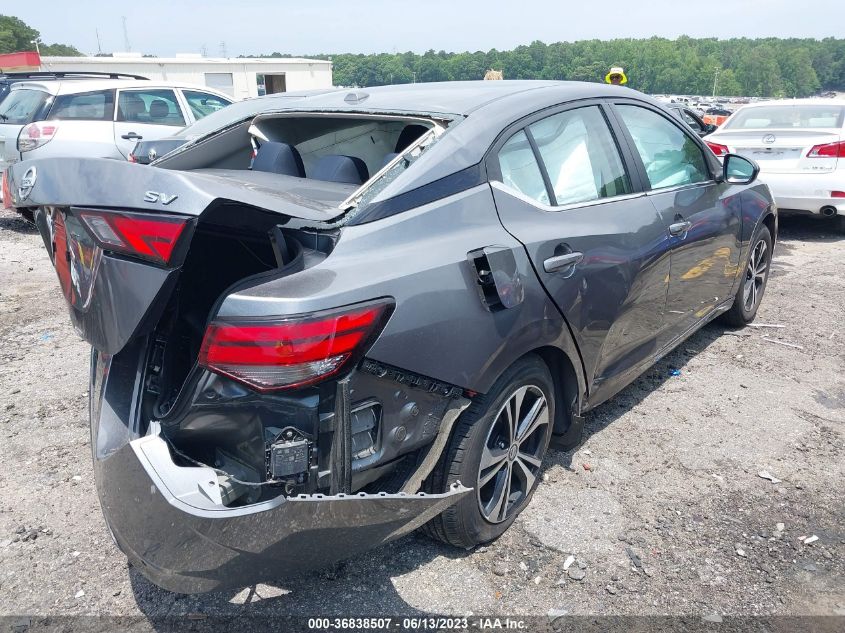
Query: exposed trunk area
[[230, 247]]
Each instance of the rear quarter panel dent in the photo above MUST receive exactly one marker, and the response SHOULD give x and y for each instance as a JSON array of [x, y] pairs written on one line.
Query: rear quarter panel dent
[[440, 327]]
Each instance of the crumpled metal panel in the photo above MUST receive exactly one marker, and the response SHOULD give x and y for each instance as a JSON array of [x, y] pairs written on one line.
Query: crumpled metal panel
[[186, 548]]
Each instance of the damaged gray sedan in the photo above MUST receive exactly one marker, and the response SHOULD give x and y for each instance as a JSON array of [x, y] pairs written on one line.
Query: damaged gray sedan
[[338, 318]]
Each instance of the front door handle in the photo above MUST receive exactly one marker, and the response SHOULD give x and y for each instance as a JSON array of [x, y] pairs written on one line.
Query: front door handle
[[131, 136], [559, 262], [679, 228]]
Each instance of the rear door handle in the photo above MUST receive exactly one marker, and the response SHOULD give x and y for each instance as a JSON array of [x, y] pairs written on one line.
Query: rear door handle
[[132, 136], [679, 228], [559, 262]]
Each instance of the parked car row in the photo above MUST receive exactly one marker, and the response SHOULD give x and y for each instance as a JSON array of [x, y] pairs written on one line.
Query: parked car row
[[800, 148]]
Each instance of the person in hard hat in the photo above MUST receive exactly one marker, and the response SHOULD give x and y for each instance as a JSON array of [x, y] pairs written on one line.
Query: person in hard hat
[[616, 76]]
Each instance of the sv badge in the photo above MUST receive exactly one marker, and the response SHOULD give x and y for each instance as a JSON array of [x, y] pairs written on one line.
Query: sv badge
[[154, 196]]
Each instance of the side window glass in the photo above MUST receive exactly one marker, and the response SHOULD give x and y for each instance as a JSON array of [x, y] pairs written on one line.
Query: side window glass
[[203, 103], [156, 107], [670, 156], [520, 170], [580, 156], [691, 121], [86, 106]]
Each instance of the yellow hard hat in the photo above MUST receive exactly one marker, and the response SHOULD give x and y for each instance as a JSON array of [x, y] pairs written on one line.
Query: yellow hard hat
[[616, 70]]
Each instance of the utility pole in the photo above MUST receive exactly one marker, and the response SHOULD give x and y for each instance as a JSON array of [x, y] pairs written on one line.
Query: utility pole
[[715, 79], [223, 49], [99, 48], [126, 43], [37, 50]]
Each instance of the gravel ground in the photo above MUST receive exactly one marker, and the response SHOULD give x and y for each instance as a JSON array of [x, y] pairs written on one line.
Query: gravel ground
[[662, 507]]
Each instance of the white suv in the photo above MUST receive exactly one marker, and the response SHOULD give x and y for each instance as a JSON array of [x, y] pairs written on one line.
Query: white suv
[[102, 118]]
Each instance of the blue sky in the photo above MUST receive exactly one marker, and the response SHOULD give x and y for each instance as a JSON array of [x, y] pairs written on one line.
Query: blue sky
[[365, 26]]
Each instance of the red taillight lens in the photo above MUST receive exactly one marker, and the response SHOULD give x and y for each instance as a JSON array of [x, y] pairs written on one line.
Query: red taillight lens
[[837, 194], [143, 235], [7, 191], [293, 352], [828, 150], [36, 134], [719, 150]]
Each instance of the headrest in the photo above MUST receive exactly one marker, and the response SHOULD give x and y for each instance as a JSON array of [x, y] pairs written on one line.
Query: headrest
[[159, 109], [338, 168], [279, 158]]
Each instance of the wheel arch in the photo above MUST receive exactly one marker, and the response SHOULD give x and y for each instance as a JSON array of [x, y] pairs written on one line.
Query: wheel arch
[[566, 383], [770, 221]]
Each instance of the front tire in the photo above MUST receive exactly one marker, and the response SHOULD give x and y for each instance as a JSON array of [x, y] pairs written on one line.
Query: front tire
[[753, 283], [497, 449]]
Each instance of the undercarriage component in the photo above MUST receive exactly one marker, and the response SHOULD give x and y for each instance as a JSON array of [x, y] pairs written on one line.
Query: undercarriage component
[[235, 478], [288, 456], [341, 452], [364, 421], [435, 449], [209, 546], [409, 378]]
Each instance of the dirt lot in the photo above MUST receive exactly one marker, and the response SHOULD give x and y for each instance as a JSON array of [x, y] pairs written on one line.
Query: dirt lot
[[662, 506]]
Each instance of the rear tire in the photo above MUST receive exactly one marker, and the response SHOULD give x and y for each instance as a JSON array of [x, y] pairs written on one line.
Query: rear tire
[[509, 427], [753, 282]]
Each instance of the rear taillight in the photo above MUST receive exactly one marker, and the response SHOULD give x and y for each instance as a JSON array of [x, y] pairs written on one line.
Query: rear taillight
[[837, 194], [719, 150], [36, 134], [7, 191], [151, 237], [294, 351], [828, 150]]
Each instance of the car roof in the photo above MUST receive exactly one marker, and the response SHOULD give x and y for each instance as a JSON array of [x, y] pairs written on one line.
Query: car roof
[[74, 86], [487, 108], [452, 97], [796, 102]]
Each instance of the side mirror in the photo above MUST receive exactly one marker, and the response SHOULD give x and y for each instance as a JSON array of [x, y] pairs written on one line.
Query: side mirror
[[738, 170]]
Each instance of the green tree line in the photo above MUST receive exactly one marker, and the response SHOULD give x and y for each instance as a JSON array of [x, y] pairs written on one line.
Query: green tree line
[[769, 67], [16, 36]]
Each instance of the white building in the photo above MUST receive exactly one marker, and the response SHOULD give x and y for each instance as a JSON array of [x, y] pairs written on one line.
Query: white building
[[240, 77]]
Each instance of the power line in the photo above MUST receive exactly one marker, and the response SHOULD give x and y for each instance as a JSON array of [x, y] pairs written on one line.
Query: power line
[[126, 43]]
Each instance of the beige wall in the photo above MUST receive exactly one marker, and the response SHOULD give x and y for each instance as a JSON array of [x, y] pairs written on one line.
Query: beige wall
[[299, 75]]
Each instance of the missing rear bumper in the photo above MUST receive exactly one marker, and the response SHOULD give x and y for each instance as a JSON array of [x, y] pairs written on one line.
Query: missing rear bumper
[[172, 524]]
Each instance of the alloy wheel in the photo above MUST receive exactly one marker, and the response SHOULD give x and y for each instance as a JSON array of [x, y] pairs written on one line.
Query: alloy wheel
[[755, 276], [513, 453]]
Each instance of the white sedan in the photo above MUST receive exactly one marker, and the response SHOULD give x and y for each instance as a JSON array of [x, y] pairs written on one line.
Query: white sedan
[[800, 147]]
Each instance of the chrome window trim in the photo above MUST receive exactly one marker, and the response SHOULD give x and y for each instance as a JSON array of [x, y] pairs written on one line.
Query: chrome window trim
[[690, 185], [565, 207]]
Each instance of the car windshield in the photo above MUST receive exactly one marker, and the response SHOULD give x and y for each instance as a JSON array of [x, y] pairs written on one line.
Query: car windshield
[[21, 105], [787, 116]]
